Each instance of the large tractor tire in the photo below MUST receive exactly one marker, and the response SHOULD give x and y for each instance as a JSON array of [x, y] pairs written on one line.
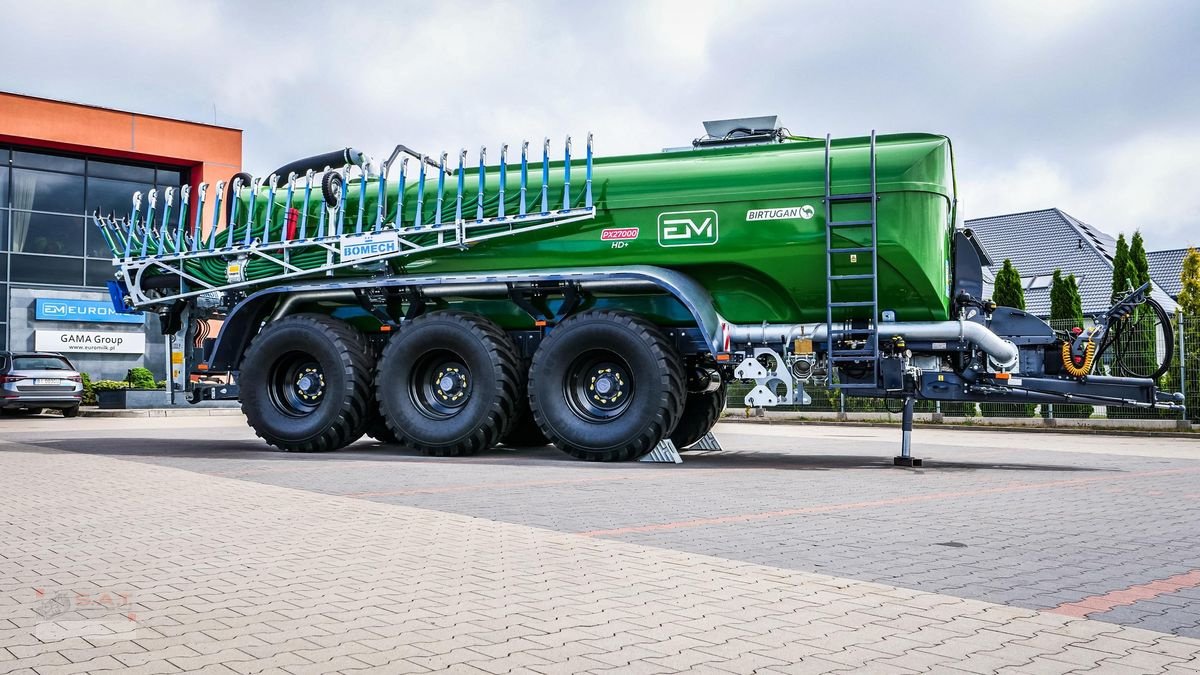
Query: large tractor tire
[[524, 432], [306, 383], [700, 413], [448, 384], [606, 386], [377, 428]]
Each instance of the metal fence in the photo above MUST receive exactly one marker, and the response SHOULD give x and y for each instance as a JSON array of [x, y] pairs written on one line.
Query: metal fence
[[1183, 376]]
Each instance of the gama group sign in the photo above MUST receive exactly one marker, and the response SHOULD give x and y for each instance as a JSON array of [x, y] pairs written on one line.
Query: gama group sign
[[62, 309], [94, 341]]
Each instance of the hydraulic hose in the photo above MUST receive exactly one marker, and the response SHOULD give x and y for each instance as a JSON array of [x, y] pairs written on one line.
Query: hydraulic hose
[[336, 159], [1118, 338], [231, 195]]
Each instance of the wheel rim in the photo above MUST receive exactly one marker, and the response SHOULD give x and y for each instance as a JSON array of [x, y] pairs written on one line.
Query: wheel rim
[[599, 386], [297, 384], [442, 384]]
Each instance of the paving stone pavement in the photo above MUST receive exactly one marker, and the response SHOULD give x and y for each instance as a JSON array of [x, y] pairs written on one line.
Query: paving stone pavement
[[1031, 520], [110, 564]]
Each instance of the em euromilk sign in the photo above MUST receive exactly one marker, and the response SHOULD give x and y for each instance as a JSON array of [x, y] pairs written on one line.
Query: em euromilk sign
[[98, 311]]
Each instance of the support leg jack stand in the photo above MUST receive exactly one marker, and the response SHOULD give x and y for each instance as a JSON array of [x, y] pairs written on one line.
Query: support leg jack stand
[[906, 424]]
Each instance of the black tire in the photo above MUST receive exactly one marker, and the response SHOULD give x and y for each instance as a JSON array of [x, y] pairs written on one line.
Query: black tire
[[377, 428], [306, 383], [448, 384], [524, 432], [73, 411], [331, 188], [700, 413], [606, 386]]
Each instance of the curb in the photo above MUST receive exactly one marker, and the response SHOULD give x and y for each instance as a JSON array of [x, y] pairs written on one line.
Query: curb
[[965, 427], [163, 412]]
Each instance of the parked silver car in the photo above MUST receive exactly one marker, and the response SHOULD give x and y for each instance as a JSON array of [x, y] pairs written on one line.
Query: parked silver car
[[31, 381]]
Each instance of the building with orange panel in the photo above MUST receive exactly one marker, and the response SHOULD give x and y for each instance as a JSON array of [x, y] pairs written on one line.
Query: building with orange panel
[[60, 162]]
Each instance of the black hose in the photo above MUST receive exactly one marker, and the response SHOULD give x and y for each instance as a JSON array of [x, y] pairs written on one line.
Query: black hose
[[230, 195], [336, 159], [1118, 337]]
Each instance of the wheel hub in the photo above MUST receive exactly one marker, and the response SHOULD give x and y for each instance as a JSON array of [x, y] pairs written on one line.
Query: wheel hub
[[310, 384], [451, 385], [297, 384], [599, 386], [441, 385], [608, 387]]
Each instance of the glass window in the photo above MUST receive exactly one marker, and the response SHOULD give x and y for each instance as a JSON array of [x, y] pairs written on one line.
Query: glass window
[[3, 240], [46, 233], [4, 291], [43, 269], [4, 184], [39, 160], [137, 174], [43, 191], [41, 363], [169, 177], [99, 271], [96, 246], [113, 197]]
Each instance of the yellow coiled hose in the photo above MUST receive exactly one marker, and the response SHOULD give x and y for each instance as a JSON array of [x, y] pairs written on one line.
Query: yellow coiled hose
[[1089, 355]]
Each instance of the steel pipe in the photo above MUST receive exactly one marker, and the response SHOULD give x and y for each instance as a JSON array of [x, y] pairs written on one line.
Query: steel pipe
[[1003, 352]]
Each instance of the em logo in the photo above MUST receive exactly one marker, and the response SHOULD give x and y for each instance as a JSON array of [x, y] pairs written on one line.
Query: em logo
[[688, 228]]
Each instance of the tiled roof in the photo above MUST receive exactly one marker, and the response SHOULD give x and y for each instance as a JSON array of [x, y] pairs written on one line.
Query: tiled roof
[[1039, 242], [1165, 267]]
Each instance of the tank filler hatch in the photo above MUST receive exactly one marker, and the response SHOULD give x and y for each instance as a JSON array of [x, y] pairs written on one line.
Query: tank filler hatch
[[740, 131]]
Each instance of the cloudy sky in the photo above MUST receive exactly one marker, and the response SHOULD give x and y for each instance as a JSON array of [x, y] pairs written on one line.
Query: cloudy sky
[[1091, 106]]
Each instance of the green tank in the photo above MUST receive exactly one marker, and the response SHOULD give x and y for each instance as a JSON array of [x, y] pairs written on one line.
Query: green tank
[[748, 223]]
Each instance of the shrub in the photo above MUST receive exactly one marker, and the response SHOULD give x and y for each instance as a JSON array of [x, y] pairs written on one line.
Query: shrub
[[109, 385], [1075, 410], [140, 378], [1007, 409], [89, 394]]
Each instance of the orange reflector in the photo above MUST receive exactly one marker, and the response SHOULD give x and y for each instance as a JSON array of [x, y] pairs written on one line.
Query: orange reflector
[[723, 357], [201, 366], [385, 328], [1001, 376], [539, 323]]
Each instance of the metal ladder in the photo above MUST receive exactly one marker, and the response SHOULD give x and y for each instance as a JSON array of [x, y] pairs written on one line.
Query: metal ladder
[[869, 353]]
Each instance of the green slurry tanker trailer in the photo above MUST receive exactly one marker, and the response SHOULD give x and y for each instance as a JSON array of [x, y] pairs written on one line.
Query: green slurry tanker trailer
[[600, 304]]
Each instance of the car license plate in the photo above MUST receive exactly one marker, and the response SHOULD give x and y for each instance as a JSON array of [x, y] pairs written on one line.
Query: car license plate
[[45, 380]]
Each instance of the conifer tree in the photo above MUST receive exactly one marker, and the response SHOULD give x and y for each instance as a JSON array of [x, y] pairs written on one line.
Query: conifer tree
[[1060, 302], [1008, 291], [1189, 319], [1119, 280]]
